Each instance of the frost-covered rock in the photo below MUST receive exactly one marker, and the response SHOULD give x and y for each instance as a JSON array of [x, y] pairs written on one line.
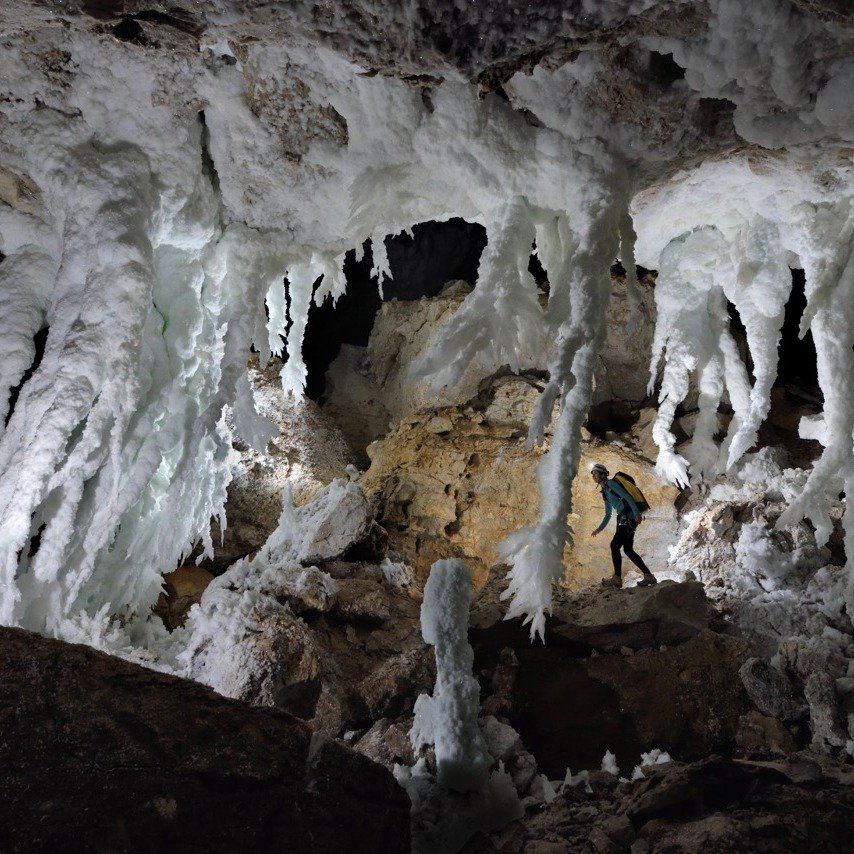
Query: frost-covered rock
[[273, 632], [305, 452], [778, 585]]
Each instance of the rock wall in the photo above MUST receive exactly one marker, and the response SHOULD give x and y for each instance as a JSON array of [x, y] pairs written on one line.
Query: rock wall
[[456, 481]]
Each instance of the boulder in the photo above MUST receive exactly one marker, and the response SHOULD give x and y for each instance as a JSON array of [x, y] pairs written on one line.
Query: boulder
[[339, 519], [570, 703], [120, 758], [770, 690], [636, 618], [758, 733], [827, 720]]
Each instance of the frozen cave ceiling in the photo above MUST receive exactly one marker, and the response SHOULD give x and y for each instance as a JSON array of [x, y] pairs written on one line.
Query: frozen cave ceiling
[[164, 166]]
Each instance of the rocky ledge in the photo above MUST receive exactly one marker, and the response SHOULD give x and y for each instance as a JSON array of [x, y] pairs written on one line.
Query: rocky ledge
[[99, 754]]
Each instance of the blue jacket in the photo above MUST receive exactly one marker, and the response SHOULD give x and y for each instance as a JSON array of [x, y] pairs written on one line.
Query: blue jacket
[[616, 498]]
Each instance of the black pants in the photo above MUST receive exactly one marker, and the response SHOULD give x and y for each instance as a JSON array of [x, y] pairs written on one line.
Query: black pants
[[625, 539]]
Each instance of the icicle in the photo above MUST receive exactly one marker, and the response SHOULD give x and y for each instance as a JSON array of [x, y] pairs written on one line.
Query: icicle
[[833, 332], [25, 280], [334, 282], [380, 269], [759, 292], [627, 258], [502, 315], [536, 555], [300, 285]]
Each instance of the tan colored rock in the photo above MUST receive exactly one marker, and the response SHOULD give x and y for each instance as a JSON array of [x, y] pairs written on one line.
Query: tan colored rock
[[18, 192], [183, 589], [456, 481]]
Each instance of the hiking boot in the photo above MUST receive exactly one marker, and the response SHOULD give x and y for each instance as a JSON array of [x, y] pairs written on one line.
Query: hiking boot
[[647, 581], [614, 581]]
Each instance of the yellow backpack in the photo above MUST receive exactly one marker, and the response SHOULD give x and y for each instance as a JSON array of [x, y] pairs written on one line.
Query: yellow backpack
[[628, 483]]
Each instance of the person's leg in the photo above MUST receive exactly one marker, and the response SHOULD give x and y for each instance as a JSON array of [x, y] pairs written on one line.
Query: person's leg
[[616, 545], [631, 554]]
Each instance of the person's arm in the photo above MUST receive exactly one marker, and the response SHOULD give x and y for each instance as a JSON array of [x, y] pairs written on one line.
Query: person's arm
[[618, 490], [607, 517]]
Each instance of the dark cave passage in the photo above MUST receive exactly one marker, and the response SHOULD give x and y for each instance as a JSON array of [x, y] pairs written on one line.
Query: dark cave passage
[[436, 253]]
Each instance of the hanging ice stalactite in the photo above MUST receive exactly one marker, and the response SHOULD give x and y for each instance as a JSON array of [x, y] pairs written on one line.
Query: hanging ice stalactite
[[502, 316], [536, 555], [829, 267]]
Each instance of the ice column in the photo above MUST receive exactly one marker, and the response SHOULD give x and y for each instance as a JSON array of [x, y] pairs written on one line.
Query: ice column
[[581, 288], [448, 719]]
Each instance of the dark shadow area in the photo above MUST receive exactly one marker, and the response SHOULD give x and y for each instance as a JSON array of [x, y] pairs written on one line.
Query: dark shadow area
[[663, 68], [610, 416], [714, 114], [436, 253], [39, 341], [796, 392], [798, 365]]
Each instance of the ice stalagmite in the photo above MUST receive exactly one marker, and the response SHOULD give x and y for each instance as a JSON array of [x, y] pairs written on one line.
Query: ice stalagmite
[[448, 719]]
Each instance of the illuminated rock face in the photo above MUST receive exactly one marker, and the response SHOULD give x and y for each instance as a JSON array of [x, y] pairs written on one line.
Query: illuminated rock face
[[456, 481]]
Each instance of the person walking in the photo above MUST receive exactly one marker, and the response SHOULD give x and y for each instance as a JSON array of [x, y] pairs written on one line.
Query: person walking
[[628, 518]]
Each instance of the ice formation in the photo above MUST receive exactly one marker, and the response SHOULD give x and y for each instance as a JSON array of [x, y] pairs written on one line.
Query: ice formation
[[465, 795], [448, 719], [156, 246]]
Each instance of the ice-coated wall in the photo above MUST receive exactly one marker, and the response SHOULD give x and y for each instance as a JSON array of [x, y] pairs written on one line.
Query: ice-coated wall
[[154, 245]]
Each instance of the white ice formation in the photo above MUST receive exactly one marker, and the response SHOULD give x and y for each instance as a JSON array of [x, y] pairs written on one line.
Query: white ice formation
[[448, 719], [154, 247], [465, 795]]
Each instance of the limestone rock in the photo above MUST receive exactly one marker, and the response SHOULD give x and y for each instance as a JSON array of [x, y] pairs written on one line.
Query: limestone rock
[[183, 588], [763, 734], [455, 482], [826, 718], [307, 453], [119, 758], [769, 689]]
